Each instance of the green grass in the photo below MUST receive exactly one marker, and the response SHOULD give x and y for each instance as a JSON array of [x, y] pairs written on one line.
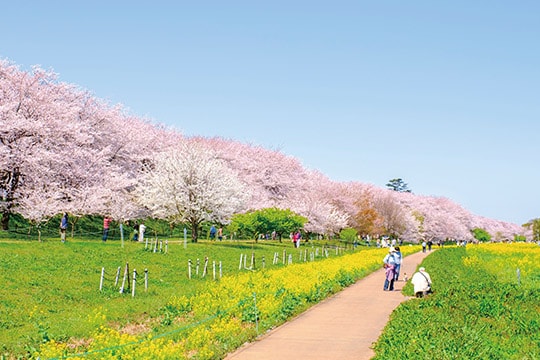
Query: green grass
[[476, 312], [50, 290]]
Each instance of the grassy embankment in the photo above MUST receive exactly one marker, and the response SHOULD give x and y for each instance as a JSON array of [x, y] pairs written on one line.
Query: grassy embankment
[[483, 307]]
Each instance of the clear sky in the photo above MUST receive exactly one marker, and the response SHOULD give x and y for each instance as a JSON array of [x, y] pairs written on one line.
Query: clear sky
[[445, 95]]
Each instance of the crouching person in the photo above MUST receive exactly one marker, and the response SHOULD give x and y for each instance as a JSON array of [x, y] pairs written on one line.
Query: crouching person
[[422, 283]]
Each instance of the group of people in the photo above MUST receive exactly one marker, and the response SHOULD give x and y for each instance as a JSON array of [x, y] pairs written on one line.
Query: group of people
[[138, 229], [392, 262]]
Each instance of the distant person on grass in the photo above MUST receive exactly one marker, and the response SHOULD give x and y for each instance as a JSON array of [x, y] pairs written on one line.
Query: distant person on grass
[[142, 229], [63, 227], [136, 232], [422, 283], [220, 234], [106, 225]]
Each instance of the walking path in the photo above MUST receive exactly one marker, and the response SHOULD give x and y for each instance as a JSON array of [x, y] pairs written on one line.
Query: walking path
[[344, 326]]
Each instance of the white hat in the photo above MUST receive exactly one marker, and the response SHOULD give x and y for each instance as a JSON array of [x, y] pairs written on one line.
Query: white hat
[[422, 269], [391, 249]]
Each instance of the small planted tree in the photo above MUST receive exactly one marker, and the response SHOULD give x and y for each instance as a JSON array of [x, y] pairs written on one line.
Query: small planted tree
[[481, 235], [266, 221], [349, 234]]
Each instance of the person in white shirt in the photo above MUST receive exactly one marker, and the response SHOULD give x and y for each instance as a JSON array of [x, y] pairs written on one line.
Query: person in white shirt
[[142, 229], [422, 283]]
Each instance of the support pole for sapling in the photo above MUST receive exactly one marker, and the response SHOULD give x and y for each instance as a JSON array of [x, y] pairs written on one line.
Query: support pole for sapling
[[256, 312], [205, 266], [189, 269], [197, 267], [214, 269], [134, 282], [125, 280], [240, 265], [117, 276], [145, 280], [122, 234], [220, 270], [101, 280]]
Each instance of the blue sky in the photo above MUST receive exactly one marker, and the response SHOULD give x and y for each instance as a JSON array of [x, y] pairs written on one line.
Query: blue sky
[[445, 95]]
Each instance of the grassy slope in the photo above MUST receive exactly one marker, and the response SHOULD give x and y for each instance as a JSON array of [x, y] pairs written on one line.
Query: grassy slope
[[478, 310], [51, 290]]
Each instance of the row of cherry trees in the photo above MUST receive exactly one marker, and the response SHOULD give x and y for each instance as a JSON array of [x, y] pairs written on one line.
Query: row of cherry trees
[[64, 150]]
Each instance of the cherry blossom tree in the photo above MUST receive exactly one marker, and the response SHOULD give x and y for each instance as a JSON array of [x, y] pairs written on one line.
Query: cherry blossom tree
[[189, 184], [392, 213], [63, 143], [273, 178], [314, 201], [62, 149], [36, 116]]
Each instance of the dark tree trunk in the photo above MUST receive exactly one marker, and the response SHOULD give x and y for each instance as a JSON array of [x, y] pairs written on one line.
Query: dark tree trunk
[[194, 231], [5, 220]]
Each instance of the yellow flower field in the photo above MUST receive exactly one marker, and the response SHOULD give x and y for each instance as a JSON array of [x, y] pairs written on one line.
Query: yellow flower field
[[229, 312]]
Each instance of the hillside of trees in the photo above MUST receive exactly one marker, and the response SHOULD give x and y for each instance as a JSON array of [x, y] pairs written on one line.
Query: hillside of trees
[[64, 150]]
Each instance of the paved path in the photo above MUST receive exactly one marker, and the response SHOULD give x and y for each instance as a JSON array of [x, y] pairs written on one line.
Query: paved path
[[344, 326]]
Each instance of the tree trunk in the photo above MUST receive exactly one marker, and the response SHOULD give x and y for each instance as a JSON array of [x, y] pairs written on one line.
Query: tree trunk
[[5, 220], [194, 231]]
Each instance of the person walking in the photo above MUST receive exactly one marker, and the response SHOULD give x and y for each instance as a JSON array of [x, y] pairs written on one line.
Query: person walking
[[398, 257], [63, 227], [389, 262], [296, 238], [422, 283], [106, 225], [424, 245], [136, 232], [220, 234]]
